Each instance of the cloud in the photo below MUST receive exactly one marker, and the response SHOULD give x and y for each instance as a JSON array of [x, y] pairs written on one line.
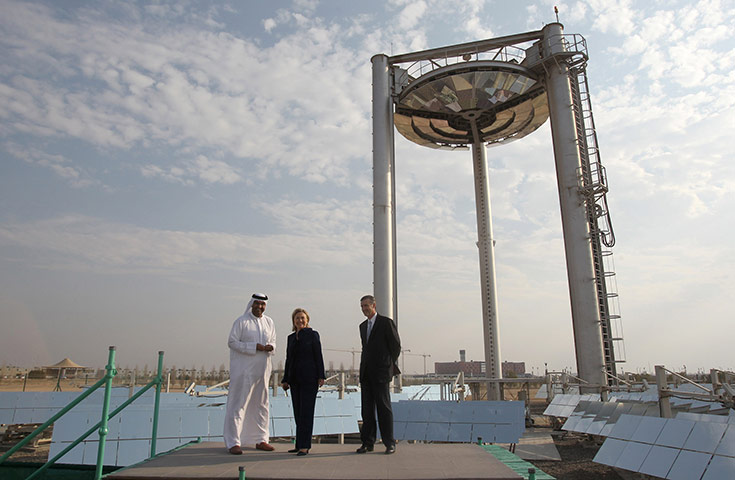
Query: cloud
[[58, 164], [78, 243], [174, 85], [189, 173]]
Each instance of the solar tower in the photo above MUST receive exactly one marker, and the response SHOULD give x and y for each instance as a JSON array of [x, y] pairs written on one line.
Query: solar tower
[[487, 93]]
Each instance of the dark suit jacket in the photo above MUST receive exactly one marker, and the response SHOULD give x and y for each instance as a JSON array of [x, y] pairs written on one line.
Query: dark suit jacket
[[380, 351], [304, 361]]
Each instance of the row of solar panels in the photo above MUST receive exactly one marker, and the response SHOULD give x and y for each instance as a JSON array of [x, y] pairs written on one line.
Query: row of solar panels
[[128, 440], [38, 407], [444, 421], [671, 448], [564, 405], [687, 447], [651, 394]]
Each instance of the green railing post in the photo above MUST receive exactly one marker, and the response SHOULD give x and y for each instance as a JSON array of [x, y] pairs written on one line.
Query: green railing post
[[241, 475], [157, 403], [110, 368], [531, 474]]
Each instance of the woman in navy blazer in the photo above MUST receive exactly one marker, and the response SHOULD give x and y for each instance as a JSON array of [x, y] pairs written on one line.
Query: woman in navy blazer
[[303, 374]]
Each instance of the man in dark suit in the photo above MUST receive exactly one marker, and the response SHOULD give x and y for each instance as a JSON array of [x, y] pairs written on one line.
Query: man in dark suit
[[380, 349]]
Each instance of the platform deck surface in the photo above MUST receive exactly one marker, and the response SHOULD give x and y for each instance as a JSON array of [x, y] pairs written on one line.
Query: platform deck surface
[[210, 460]]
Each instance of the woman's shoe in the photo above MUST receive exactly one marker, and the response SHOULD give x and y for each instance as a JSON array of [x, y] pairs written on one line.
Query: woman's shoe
[[302, 453], [293, 450]]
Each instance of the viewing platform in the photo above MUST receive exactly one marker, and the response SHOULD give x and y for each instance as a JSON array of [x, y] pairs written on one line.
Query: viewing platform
[[210, 460]]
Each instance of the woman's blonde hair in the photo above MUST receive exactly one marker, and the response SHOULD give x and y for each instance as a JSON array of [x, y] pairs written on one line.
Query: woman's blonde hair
[[293, 317]]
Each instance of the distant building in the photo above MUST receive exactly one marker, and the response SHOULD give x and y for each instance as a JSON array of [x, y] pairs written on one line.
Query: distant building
[[514, 369], [510, 369], [453, 368], [12, 371]]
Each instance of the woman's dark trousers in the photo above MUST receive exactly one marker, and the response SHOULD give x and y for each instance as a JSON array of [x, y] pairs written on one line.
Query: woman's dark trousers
[[303, 397]]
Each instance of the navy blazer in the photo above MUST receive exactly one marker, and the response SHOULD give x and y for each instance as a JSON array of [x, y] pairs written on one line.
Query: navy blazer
[[304, 361], [379, 352]]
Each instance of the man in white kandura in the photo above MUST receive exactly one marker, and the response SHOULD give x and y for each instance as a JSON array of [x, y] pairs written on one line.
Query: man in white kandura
[[252, 343]]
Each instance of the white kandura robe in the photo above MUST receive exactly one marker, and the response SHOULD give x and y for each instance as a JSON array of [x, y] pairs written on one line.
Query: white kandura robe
[[246, 417]]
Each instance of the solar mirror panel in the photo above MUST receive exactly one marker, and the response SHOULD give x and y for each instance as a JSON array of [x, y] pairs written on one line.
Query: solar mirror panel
[[23, 415], [584, 424], [418, 412], [648, 429], [281, 427], [169, 423], [633, 456], [136, 423], [441, 413], [464, 415], [320, 426], [486, 431], [460, 432], [399, 430], [702, 417], [74, 456], [625, 427], [437, 432], [90, 453], [675, 432], [727, 444], [659, 461], [162, 445], [334, 425], [113, 427], [689, 465], [610, 451], [596, 427], [194, 422], [69, 427], [705, 437], [571, 423], [592, 407], [133, 451], [637, 409], [416, 431], [720, 468]]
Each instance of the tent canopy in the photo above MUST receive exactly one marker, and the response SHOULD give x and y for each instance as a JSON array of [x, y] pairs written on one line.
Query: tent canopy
[[65, 363]]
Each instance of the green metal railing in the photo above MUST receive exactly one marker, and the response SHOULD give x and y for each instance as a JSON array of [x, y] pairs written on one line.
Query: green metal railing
[[101, 426]]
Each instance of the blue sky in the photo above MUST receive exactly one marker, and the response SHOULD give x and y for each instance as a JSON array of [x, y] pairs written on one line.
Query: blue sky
[[161, 161]]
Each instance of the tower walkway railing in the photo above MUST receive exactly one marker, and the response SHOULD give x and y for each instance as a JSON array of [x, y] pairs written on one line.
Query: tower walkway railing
[[101, 426]]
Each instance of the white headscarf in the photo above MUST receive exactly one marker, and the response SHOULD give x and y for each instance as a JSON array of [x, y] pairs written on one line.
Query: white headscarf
[[256, 296]]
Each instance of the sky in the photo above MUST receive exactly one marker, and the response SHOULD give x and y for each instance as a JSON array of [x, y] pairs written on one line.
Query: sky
[[161, 161]]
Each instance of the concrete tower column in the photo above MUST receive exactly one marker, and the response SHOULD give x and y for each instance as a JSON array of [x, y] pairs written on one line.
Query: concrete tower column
[[580, 270], [486, 247], [383, 202]]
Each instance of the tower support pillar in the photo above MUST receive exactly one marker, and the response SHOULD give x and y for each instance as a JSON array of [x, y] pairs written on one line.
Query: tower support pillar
[[383, 201], [575, 226], [486, 247]]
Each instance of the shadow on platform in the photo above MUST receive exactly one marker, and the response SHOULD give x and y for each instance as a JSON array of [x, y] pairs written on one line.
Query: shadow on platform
[[326, 461]]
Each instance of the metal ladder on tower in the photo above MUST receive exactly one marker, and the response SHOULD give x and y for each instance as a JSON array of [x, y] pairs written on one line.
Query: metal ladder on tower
[[593, 188]]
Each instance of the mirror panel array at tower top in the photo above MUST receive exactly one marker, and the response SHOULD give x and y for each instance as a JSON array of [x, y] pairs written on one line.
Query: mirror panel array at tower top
[[504, 101]]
